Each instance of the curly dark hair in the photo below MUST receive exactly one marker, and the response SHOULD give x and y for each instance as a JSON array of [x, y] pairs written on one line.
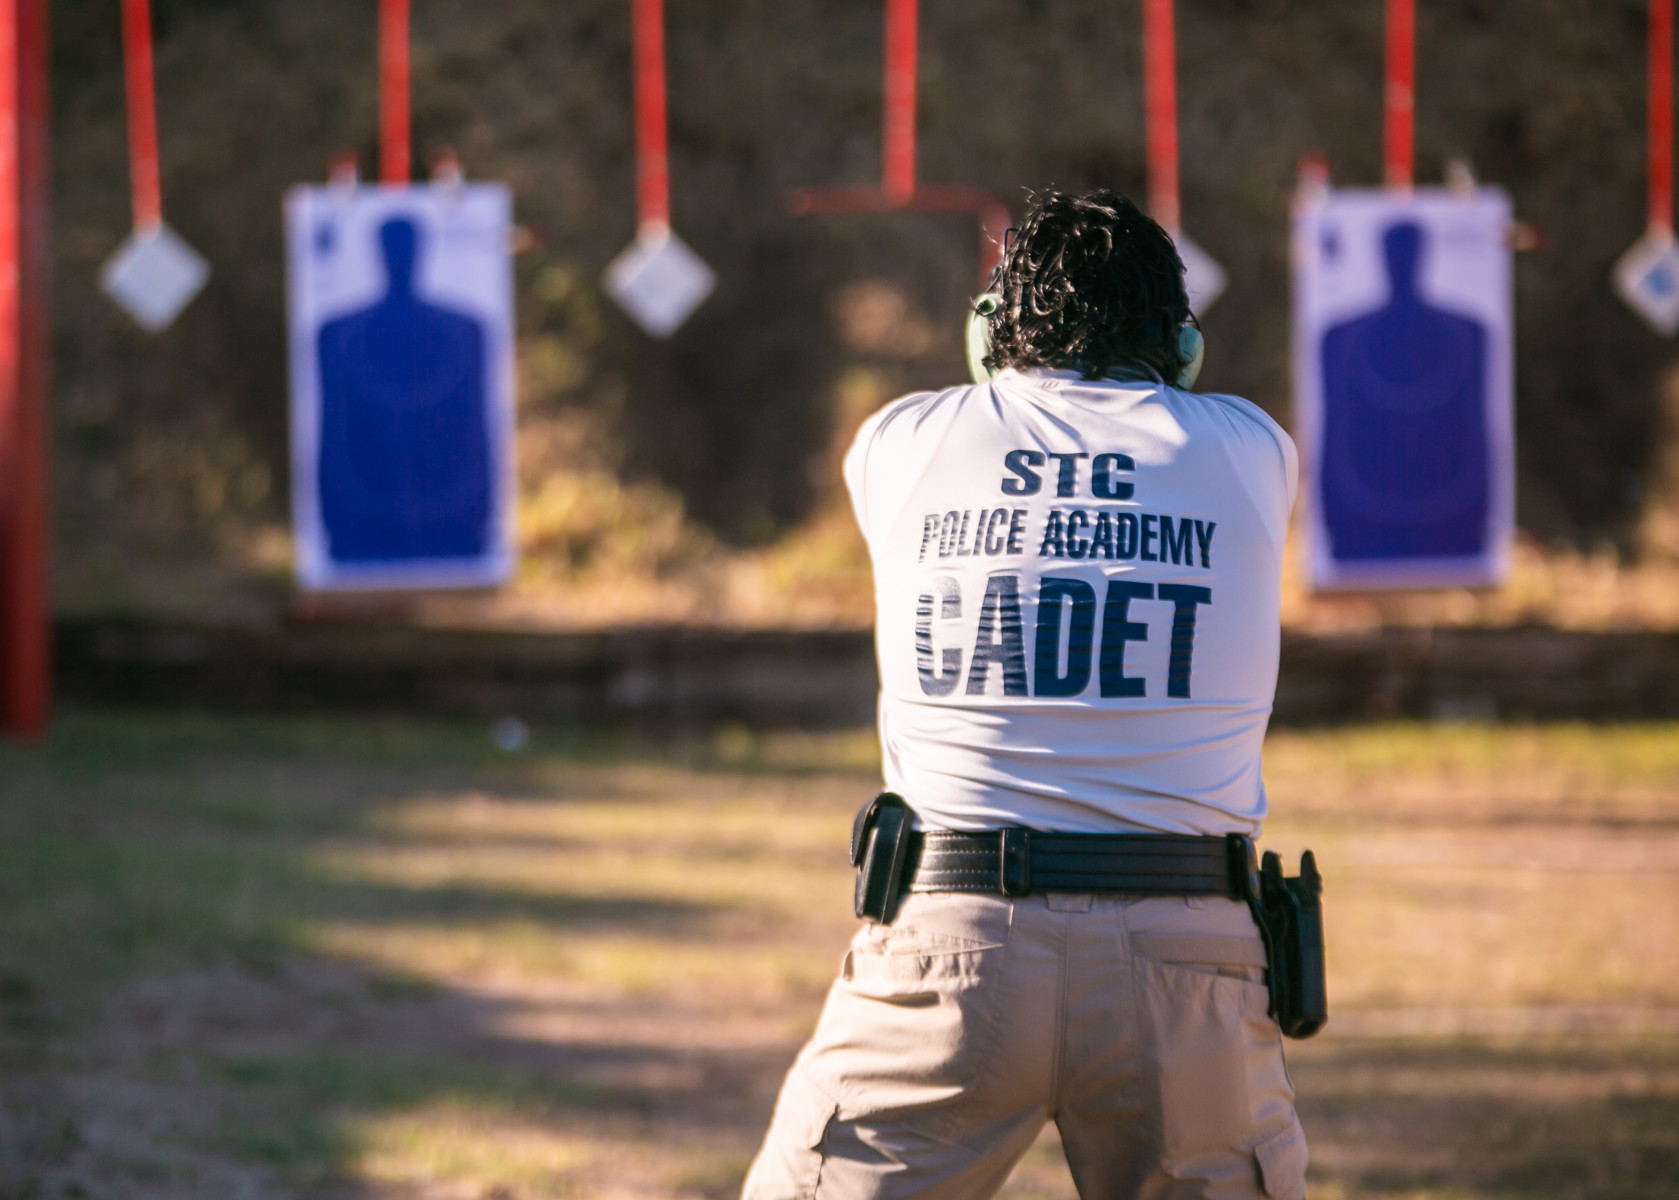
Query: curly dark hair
[[1089, 283]]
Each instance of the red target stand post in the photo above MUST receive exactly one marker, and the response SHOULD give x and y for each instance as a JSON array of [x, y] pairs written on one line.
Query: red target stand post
[[1647, 275], [1404, 325], [400, 332], [898, 190], [154, 274], [657, 279], [1399, 91], [25, 660], [394, 137], [1204, 279]]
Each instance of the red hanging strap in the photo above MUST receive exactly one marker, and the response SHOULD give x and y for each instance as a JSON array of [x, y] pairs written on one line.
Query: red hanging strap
[[898, 189], [1660, 146], [142, 113], [394, 140], [1399, 95], [897, 160], [1160, 108], [652, 160]]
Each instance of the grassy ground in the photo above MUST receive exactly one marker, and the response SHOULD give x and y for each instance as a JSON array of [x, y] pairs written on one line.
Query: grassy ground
[[358, 959]]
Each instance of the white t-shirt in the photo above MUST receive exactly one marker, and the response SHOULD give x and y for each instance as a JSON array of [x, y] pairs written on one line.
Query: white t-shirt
[[1076, 589]]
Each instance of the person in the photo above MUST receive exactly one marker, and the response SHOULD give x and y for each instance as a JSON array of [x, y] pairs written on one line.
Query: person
[[1077, 573]]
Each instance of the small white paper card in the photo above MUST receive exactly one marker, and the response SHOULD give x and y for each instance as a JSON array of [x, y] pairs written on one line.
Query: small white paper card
[[1203, 278], [659, 281], [153, 276], [1647, 278]]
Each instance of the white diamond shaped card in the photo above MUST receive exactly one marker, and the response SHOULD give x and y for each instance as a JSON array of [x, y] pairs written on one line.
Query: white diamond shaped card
[[659, 281], [1203, 278], [153, 276], [1647, 278]]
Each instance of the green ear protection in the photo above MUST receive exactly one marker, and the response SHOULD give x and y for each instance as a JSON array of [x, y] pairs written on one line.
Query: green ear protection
[[1192, 347], [977, 335]]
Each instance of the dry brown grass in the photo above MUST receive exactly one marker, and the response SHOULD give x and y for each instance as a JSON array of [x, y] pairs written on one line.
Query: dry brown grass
[[279, 959]]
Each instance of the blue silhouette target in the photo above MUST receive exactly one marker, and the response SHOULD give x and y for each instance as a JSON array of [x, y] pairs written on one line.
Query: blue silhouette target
[[401, 386], [1403, 367]]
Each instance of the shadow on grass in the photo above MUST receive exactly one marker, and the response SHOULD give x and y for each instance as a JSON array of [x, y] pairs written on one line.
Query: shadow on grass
[[160, 882], [168, 1026], [1534, 1118]]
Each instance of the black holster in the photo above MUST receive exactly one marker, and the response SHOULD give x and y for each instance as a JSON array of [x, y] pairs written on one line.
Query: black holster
[[879, 845], [1289, 913]]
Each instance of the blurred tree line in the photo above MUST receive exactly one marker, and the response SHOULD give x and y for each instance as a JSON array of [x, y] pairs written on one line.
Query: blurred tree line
[[171, 451]]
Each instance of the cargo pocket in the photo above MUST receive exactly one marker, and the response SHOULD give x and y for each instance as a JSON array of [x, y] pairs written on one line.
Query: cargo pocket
[[1282, 1163], [1216, 1058], [789, 1167], [909, 1021]]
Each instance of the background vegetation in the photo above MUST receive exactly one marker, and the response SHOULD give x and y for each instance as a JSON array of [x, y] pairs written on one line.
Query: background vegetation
[[696, 477]]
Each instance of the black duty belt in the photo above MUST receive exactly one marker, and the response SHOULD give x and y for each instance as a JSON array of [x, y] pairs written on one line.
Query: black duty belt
[[1019, 862], [891, 859]]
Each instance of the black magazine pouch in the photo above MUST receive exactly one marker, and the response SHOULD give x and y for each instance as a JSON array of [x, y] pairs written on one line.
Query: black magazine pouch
[[1290, 915], [879, 845]]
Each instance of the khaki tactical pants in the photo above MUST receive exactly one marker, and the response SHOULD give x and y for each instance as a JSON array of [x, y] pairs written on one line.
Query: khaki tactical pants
[[953, 1034]]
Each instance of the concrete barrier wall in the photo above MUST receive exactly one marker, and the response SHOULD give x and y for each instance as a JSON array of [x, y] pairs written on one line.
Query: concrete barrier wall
[[681, 676]]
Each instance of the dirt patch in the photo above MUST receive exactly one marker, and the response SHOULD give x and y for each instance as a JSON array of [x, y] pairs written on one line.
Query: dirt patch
[[359, 960]]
